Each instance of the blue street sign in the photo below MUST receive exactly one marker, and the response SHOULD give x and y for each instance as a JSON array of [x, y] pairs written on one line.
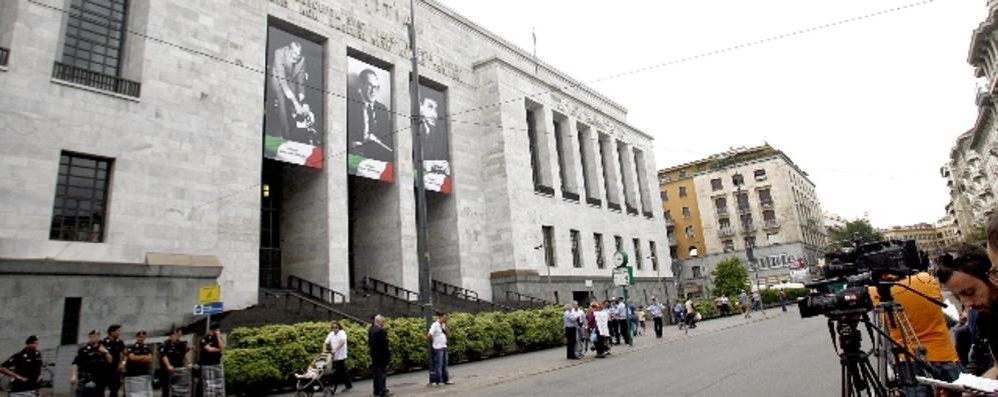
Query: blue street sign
[[208, 309]]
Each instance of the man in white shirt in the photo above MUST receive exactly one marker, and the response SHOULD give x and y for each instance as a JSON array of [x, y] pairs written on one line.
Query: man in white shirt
[[336, 342], [438, 335]]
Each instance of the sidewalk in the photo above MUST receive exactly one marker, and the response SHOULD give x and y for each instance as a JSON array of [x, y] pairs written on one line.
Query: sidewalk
[[471, 376]]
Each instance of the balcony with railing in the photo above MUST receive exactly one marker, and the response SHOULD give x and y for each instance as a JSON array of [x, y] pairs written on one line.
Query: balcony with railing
[[771, 224], [725, 232], [672, 240], [744, 209], [100, 81], [4, 55], [669, 221], [766, 204], [722, 211], [748, 228]]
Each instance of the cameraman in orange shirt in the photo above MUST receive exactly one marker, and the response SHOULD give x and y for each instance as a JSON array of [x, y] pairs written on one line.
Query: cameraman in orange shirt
[[929, 324]]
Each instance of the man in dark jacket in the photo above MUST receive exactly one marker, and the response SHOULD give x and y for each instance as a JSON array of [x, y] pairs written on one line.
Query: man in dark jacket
[[377, 340]]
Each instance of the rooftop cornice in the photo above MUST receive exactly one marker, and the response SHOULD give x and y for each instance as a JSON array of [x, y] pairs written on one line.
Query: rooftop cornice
[[505, 64], [979, 37]]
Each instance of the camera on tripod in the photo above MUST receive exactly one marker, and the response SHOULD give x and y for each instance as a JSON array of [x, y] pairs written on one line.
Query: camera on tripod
[[848, 273]]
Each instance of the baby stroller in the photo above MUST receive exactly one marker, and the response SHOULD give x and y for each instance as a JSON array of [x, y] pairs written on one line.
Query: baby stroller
[[314, 380]]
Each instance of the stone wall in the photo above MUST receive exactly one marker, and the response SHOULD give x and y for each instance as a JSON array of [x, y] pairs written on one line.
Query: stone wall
[[135, 295]]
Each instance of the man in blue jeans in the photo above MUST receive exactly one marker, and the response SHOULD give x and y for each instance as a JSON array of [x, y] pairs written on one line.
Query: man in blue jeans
[[438, 336]]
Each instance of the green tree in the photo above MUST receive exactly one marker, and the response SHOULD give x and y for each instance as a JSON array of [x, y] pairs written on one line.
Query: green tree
[[842, 236], [730, 277]]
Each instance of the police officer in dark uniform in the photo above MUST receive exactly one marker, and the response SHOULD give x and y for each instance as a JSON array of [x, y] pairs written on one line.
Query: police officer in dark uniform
[[116, 368], [138, 382], [90, 360], [176, 364], [26, 369]]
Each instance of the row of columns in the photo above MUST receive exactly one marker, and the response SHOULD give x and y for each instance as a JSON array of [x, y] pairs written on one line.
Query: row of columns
[[595, 164]]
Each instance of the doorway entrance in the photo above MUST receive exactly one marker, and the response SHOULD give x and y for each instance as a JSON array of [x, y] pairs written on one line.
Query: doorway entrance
[[271, 201]]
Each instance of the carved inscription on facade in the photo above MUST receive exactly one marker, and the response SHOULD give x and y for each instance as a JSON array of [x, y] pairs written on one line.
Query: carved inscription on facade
[[585, 115], [353, 22]]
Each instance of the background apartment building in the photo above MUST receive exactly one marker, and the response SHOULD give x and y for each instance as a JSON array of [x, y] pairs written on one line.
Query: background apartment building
[[754, 204], [972, 171]]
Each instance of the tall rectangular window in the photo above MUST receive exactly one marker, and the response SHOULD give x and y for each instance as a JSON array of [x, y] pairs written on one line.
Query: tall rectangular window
[[70, 321], [653, 249], [549, 258], [682, 191], [641, 171], [535, 161], [609, 172], [627, 183], [618, 244], [559, 146], [737, 180], [94, 35], [80, 209], [638, 262], [598, 241], [586, 155], [716, 184], [576, 252]]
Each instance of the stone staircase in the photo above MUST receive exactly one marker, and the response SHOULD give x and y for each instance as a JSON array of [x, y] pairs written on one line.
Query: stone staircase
[[302, 300], [452, 298], [520, 301]]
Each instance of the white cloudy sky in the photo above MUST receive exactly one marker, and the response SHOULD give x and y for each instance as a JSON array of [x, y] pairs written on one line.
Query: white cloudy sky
[[869, 109]]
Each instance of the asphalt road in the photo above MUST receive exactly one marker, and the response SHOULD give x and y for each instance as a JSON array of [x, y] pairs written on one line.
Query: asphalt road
[[773, 355], [784, 356]]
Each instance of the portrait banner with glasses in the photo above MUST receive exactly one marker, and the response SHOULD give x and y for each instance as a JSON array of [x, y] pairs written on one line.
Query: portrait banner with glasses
[[295, 100], [436, 140], [370, 133]]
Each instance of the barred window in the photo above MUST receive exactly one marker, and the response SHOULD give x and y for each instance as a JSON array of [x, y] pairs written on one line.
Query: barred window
[[95, 35], [80, 208]]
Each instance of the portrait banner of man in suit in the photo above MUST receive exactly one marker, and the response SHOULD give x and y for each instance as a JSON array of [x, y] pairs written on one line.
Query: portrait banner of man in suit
[[370, 133], [436, 139], [295, 99]]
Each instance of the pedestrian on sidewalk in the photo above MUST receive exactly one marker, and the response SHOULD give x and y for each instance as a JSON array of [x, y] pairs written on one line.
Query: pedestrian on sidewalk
[[691, 314], [677, 312], [610, 308], [602, 319], [438, 335], [138, 360], [623, 318], [25, 367], [655, 309], [642, 315], [210, 360], [725, 306], [757, 302], [580, 323], [113, 371], [783, 300], [176, 364], [336, 342], [85, 374], [377, 344], [744, 304], [571, 323]]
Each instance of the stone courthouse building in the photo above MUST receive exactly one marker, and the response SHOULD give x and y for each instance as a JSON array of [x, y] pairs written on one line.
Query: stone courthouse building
[[155, 146]]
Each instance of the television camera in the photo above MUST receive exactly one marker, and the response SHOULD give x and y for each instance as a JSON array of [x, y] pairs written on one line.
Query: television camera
[[843, 297]]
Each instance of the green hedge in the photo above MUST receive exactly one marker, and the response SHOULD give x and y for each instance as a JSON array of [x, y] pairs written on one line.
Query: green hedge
[[772, 296], [267, 357]]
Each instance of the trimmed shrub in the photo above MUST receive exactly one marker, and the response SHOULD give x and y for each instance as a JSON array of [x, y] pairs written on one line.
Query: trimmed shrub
[[706, 308], [267, 357], [250, 368]]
